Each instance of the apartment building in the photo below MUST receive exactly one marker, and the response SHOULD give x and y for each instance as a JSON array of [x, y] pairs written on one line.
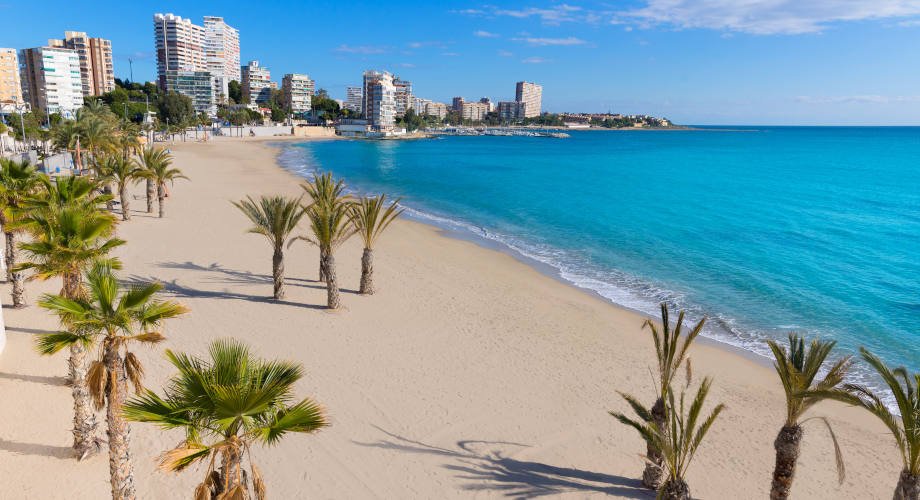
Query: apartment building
[[488, 102], [379, 101], [457, 104], [197, 85], [403, 89], [97, 72], [509, 111], [438, 109], [531, 94], [51, 79], [179, 44], [475, 111], [298, 93], [222, 55], [10, 84], [353, 98], [257, 83]]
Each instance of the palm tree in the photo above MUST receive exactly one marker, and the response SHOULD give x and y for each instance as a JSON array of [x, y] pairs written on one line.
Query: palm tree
[[323, 190], [111, 317], [70, 233], [331, 226], [157, 170], [679, 437], [371, 217], [274, 217], [670, 352], [797, 369], [225, 405], [17, 181], [905, 387], [123, 171]]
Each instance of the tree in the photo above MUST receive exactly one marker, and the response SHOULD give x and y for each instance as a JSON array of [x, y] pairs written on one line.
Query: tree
[[330, 226], [226, 404], [797, 369], [149, 161], [324, 190], [679, 437], [111, 317], [371, 216], [235, 92], [274, 217], [903, 425], [175, 108], [69, 233], [157, 168], [123, 171], [325, 107], [17, 181], [412, 121]]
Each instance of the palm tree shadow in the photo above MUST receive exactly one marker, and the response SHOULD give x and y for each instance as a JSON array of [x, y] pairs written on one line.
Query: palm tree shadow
[[492, 471], [46, 450], [38, 379], [178, 290], [233, 276]]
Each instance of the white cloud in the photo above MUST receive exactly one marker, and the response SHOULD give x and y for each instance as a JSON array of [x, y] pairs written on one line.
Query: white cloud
[[535, 60], [485, 34], [360, 49], [406, 65], [856, 99], [551, 41], [764, 17], [505, 53], [551, 15], [450, 54]]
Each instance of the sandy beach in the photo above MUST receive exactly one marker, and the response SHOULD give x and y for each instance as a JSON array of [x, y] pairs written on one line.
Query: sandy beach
[[469, 373]]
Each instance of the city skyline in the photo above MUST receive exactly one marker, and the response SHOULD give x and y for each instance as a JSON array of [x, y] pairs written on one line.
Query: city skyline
[[762, 63]]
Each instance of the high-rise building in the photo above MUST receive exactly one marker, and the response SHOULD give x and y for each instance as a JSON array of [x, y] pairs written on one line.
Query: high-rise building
[[257, 83], [403, 96], [298, 93], [379, 100], [474, 111], [51, 79], [197, 85], [531, 95], [457, 104], [97, 72], [179, 44], [10, 86], [437, 109], [509, 111], [222, 53], [488, 102], [353, 97]]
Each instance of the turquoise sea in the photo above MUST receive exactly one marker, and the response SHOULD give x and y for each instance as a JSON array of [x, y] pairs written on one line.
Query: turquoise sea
[[765, 230]]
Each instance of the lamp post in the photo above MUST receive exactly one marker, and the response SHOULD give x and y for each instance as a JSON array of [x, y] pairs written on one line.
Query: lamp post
[[22, 123]]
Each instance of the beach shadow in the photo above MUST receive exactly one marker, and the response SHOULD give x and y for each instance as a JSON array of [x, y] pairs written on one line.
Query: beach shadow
[[26, 330], [37, 379], [37, 449], [488, 469], [233, 276], [184, 291]]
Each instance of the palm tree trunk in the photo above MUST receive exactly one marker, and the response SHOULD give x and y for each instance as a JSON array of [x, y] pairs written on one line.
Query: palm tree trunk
[[125, 209], [322, 265], [908, 486], [651, 476], [151, 194], [121, 469], [84, 419], [161, 199], [332, 284], [107, 189], [367, 272], [278, 273], [787, 444], [8, 256], [231, 469], [18, 292], [674, 489]]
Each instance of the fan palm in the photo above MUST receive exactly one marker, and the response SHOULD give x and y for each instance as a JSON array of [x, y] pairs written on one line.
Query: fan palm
[[679, 437], [331, 226], [671, 348], [113, 318], [17, 181], [371, 216], [123, 171], [798, 369], [905, 387], [157, 163], [225, 405], [69, 233], [274, 217], [325, 191]]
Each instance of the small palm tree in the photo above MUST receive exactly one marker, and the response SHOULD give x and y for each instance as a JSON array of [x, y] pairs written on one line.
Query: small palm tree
[[371, 216], [17, 181], [331, 227], [225, 405], [798, 369], [157, 165], [679, 437], [274, 217], [69, 234], [324, 191], [113, 318], [122, 171], [905, 387], [671, 348]]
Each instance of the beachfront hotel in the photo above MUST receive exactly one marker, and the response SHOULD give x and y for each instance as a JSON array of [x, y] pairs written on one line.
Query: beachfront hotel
[[298, 93], [97, 72], [51, 79], [10, 86], [222, 53], [531, 94], [257, 83], [379, 100]]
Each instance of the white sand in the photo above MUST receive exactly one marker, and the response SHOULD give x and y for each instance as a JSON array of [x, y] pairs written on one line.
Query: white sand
[[469, 373]]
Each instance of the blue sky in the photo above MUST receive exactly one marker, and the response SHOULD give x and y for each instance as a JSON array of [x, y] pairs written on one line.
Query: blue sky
[[694, 61]]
